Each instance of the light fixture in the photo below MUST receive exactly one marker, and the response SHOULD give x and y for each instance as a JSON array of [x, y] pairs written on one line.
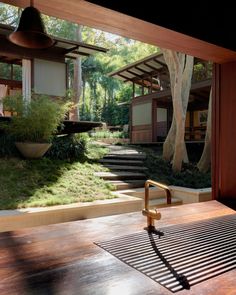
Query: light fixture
[[31, 32]]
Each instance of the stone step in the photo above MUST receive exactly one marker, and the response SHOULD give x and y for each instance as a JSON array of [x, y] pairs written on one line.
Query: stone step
[[124, 185], [125, 168], [121, 162], [123, 149], [161, 202], [120, 175], [124, 156]]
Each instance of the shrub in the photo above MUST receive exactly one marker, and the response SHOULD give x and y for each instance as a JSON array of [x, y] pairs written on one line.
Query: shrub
[[160, 170], [69, 147], [36, 121], [7, 146], [108, 134]]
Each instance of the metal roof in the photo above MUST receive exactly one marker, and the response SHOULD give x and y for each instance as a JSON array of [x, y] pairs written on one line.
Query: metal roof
[[75, 48], [64, 47], [144, 72]]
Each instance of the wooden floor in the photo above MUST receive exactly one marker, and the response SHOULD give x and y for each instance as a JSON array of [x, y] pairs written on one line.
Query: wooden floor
[[62, 258]]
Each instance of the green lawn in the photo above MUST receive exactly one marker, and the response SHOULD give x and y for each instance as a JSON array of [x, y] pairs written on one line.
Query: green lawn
[[45, 182]]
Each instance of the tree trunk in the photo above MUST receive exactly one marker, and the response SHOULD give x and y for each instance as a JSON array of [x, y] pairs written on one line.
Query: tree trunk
[[78, 83], [186, 86], [180, 68], [179, 114], [169, 144], [205, 161], [3, 93], [83, 98]]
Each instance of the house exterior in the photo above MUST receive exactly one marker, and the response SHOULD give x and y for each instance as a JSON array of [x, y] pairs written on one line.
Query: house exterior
[[151, 106], [43, 71], [213, 38]]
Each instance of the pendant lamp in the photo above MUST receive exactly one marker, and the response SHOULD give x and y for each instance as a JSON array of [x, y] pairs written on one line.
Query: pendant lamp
[[31, 32]]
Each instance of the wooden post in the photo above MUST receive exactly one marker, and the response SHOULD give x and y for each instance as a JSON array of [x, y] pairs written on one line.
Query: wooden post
[[154, 120], [26, 80]]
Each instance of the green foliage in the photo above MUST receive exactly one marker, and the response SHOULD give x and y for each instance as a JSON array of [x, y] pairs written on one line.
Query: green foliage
[[69, 147], [6, 70], [101, 93], [114, 114], [7, 146], [95, 151], [46, 182], [160, 170], [108, 134], [36, 121], [202, 70], [9, 14]]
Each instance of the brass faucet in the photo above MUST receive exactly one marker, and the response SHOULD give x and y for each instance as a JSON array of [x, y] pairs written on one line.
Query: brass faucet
[[153, 214]]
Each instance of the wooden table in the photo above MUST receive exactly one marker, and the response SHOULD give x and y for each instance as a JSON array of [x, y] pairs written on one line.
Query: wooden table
[[62, 258]]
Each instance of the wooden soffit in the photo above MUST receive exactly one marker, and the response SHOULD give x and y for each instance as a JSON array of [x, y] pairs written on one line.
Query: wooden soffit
[[89, 14]]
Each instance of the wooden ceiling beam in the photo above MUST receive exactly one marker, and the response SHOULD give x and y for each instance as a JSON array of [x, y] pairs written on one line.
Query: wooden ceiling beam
[[83, 12]]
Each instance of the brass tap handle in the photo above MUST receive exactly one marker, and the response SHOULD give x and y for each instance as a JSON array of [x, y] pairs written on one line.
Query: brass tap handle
[[152, 214]]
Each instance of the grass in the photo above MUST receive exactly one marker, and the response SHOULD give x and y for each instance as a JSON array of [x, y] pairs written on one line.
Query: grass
[[160, 170], [108, 134], [45, 182]]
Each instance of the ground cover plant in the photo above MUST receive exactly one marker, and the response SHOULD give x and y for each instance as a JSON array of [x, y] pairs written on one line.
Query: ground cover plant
[[47, 182]]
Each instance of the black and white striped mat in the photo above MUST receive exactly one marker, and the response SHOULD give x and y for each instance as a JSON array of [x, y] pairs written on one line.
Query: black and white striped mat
[[184, 256]]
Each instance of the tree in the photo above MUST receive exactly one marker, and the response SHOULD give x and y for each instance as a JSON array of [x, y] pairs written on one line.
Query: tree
[[78, 83], [205, 161], [180, 68], [99, 92]]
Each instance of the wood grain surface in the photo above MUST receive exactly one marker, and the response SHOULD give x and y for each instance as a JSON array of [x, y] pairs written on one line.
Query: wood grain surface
[[63, 259]]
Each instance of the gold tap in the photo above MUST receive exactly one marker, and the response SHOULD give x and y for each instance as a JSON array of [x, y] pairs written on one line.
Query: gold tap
[[153, 214]]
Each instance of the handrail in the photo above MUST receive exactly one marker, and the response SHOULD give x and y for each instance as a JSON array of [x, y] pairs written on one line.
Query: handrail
[[159, 185]]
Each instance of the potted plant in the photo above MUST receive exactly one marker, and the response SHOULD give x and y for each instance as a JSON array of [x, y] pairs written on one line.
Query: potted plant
[[34, 123]]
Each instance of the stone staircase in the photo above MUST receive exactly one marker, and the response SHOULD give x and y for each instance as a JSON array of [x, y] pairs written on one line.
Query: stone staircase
[[127, 174], [126, 167]]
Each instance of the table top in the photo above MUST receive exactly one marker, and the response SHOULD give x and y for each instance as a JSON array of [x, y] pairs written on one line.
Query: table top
[[63, 259]]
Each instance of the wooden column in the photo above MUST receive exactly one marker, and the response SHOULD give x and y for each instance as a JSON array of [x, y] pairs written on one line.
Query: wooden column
[[26, 79], [130, 123], [154, 120], [224, 132], [131, 116], [150, 88]]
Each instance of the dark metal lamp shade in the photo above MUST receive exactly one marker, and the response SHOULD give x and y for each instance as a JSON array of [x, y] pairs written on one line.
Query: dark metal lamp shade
[[31, 32]]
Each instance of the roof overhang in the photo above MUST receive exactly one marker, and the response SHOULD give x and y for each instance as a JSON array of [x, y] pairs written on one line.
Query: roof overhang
[[62, 49], [144, 72]]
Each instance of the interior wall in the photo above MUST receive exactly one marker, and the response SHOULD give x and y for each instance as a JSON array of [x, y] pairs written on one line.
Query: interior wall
[[224, 132]]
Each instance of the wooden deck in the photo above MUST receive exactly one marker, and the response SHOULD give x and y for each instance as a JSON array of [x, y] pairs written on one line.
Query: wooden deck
[[62, 258]]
